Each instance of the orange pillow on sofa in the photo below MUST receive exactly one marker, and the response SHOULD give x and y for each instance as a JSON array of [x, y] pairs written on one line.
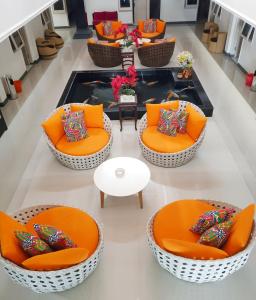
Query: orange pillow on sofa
[[153, 111], [196, 122], [116, 25], [10, 246], [77, 224], [141, 25], [100, 28], [56, 260], [53, 126], [160, 26], [93, 114], [192, 250], [241, 230]]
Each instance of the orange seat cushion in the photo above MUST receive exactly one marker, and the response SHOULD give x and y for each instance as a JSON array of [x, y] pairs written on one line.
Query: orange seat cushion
[[174, 220], [96, 140], [160, 26], [164, 143], [149, 35], [171, 40], [196, 122], [56, 260], [241, 231], [77, 224], [149, 44], [93, 114], [114, 36], [100, 28], [53, 126], [10, 246], [193, 250], [153, 111], [91, 41]]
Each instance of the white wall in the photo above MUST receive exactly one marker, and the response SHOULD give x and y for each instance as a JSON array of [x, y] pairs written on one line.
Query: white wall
[[174, 11], [224, 20], [107, 5], [10, 62], [247, 58]]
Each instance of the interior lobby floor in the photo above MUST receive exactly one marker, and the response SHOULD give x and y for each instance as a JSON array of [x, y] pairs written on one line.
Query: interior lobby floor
[[224, 169]]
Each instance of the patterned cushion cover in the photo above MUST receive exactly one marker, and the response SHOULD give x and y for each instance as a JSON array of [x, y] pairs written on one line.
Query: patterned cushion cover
[[74, 126], [31, 244], [149, 26], [183, 119], [107, 28], [210, 218], [168, 122], [54, 237], [217, 235]]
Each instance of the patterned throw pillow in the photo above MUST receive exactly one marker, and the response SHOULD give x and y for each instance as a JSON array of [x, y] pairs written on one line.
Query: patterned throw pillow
[[183, 119], [54, 237], [217, 235], [168, 122], [107, 28], [210, 218], [149, 26], [31, 244], [74, 126]]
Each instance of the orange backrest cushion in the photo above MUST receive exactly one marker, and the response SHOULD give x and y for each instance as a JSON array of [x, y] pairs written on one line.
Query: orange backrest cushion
[[141, 25], [175, 220], [153, 111], [53, 126], [91, 41], [196, 122], [100, 28], [93, 114], [56, 260], [193, 250], [241, 230], [116, 25], [160, 26], [78, 225], [10, 246]]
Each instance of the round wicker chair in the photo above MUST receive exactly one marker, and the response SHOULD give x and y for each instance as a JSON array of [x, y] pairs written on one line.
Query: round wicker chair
[[157, 55], [200, 271], [105, 56], [83, 162], [51, 281], [160, 35], [169, 160]]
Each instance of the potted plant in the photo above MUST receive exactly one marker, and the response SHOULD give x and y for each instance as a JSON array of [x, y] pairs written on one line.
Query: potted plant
[[185, 61]]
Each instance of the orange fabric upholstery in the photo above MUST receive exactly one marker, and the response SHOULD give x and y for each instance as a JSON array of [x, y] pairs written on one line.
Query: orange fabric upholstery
[[241, 230], [115, 36], [91, 41], [116, 25], [77, 224], [93, 114], [141, 25], [192, 250], [10, 247], [99, 27], [56, 260], [196, 122], [149, 44], [149, 35], [163, 143], [160, 26], [171, 40], [53, 126], [153, 111], [96, 140], [112, 45], [174, 220]]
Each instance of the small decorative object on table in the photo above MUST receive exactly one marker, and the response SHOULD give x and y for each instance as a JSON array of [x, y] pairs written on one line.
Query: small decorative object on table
[[185, 60]]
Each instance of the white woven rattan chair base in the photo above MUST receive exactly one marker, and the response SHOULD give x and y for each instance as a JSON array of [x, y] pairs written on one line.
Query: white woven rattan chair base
[[51, 281], [169, 160], [83, 162], [200, 271]]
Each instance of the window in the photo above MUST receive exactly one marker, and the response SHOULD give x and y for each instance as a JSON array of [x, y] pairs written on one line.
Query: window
[[251, 34], [246, 30], [59, 6], [215, 9], [45, 16], [219, 12], [191, 3], [16, 41]]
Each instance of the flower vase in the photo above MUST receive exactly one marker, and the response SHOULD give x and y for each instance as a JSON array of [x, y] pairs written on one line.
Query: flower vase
[[187, 73]]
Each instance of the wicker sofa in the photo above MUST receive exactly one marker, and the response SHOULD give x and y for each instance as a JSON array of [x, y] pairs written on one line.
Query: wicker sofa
[[156, 54], [111, 38], [158, 34]]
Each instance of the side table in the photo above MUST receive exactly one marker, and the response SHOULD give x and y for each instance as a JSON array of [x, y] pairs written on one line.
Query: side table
[[127, 59], [128, 107]]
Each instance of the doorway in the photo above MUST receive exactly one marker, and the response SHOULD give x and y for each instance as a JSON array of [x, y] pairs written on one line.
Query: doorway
[[141, 10], [155, 8], [203, 10]]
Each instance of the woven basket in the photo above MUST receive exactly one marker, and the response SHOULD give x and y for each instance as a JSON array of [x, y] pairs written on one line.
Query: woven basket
[[200, 271], [83, 162], [169, 160], [51, 281]]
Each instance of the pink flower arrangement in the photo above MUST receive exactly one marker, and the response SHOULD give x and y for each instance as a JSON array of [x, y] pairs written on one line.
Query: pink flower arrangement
[[127, 81], [134, 34]]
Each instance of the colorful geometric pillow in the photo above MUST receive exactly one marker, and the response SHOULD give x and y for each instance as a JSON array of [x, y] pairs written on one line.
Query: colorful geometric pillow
[[149, 26], [54, 237], [183, 119], [74, 126], [217, 235], [107, 28], [168, 122], [31, 244], [210, 218]]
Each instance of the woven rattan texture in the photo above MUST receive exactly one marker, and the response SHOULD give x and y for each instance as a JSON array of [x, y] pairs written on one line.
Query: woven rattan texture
[[105, 56]]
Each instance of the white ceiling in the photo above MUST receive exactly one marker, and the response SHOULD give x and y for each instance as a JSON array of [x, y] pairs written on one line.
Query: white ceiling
[[15, 13], [246, 9]]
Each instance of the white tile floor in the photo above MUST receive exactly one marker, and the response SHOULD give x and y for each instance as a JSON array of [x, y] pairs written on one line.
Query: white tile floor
[[224, 169]]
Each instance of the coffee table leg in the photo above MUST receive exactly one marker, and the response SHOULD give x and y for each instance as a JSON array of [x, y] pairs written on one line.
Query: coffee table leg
[[101, 199], [140, 199]]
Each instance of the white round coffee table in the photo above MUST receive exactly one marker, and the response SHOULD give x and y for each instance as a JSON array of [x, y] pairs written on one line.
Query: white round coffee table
[[121, 176]]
